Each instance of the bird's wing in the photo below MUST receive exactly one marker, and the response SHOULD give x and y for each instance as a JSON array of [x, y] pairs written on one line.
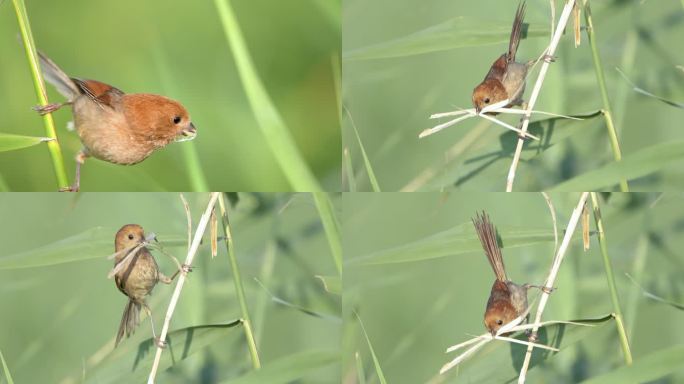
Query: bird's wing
[[498, 69], [101, 93]]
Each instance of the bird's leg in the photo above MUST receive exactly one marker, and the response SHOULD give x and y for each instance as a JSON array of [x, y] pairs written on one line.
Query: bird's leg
[[48, 108], [184, 268], [80, 159], [531, 336], [160, 344], [523, 106], [544, 57], [544, 289], [154, 334]]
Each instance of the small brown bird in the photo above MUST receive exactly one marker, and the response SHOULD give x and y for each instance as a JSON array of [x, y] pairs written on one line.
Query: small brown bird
[[507, 300], [506, 77], [113, 126], [136, 274]]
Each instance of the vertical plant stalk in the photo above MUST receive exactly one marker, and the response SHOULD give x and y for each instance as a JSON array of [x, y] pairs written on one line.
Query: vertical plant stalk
[[265, 274], [272, 126], [331, 225], [201, 227], [622, 332], [360, 373], [638, 267], [552, 211], [348, 171], [629, 51], [38, 84], [193, 165], [337, 82], [607, 113], [572, 224], [562, 22], [240, 291]]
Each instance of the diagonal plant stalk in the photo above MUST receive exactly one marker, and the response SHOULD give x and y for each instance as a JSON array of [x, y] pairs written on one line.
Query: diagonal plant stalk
[[331, 226], [376, 361], [276, 133], [239, 289], [39, 86], [265, 275], [640, 258], [560, 28], [348, 168], [5, 368], [607, 112], [619, 319], [366, 160], [560, 254], [201, 227]]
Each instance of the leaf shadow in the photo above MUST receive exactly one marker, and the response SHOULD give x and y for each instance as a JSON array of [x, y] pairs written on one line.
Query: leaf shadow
[[508, 141], [518, 351], [186, 335], [144, 348]]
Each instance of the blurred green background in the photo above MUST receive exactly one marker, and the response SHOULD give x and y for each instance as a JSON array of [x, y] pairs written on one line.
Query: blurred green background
[[180, 50], [59, 321], [427, 56], [413, 311]]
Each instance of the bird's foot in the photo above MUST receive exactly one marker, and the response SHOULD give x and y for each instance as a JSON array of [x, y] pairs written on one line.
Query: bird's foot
[[160, 343], [45, 109], [71, 188], [549, 58], [543, 288], [525, 136]]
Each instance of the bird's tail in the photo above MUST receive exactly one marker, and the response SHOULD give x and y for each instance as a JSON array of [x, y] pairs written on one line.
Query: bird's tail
[[487, 234], [129, 321], [516, 31], [55, 76]]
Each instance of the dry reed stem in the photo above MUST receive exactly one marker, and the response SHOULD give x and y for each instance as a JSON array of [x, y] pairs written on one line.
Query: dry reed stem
[[201, 227], [562, 22], [572, 224]]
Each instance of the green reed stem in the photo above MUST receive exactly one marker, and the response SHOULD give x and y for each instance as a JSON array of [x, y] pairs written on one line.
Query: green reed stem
[[5, 369], [622, 333], [332, 227], [239, 289], [273, 128], [39, 86], [369, 169], [607, 113], [348, 170]]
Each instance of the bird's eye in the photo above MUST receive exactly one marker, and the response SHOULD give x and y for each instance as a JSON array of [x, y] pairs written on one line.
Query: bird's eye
[[499, 322], [176, 119], [130, 236], [486, 100]]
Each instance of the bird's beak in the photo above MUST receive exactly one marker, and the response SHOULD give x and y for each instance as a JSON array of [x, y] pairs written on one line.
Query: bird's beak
[[188, 133], [190, 130]]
